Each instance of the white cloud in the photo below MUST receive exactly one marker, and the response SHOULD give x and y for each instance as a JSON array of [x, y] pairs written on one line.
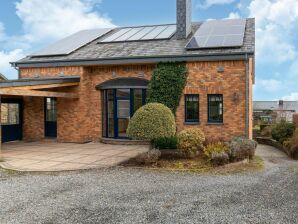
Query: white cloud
[[269, 85], [208, 3], [275, 26], [53, 19], [234, 15], [44, 22], [2, 32], [5, 58], [291, 97]]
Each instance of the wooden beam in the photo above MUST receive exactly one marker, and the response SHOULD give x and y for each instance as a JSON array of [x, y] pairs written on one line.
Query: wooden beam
[[48, 86], [20, 92]]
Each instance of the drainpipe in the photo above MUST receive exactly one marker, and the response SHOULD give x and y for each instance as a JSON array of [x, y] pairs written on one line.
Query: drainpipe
[[247, 97]]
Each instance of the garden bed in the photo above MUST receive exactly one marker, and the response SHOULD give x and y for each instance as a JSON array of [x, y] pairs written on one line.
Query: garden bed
[[172, 161]]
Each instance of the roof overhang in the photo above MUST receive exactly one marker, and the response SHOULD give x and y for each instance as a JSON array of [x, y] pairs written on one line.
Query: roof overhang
[[127, 83], [45, 87], [135, 60]]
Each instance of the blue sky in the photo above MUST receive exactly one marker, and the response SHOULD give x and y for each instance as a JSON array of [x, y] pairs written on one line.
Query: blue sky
[[28, 25]]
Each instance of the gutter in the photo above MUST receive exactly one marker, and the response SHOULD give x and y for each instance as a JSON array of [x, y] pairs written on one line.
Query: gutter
[[133, 60]]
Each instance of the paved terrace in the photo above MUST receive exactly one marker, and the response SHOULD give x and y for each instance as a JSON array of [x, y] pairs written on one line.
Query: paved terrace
[[50, 156]]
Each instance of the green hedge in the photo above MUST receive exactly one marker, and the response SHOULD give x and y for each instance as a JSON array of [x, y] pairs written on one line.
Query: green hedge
[[167, 84]]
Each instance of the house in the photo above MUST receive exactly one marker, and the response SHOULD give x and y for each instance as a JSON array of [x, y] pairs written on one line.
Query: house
[[274, 111], [87, 86]]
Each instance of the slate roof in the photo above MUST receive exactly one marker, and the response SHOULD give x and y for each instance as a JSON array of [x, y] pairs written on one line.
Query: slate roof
[[274, 105], [146, 49]]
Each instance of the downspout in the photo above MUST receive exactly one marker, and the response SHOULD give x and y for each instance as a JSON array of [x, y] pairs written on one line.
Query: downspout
[[246, 97]]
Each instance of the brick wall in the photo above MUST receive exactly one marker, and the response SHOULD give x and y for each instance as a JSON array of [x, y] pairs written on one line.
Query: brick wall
[[50, 72], [33, 118], [204, 79], [79, 120], [295, 119]]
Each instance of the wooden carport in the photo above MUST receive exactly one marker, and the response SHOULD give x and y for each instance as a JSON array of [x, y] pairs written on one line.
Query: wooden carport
[[58, 87]]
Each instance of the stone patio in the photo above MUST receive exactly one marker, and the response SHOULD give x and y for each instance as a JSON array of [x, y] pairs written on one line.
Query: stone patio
[[52, 156]]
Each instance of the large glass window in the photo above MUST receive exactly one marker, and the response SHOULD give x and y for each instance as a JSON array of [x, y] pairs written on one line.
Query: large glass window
[[110, 106], [192, 108], [215, 108], [51, 109], [10, 114], [138, 99]]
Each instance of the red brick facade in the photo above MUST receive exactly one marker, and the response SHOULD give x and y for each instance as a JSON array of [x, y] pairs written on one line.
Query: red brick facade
[[79, 120]]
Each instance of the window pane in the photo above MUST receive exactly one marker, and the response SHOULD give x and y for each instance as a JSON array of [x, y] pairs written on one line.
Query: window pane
[[138, 99], [104, 113], [215, 108], [10, 114], [51, 110], [123, 108], [123, 92], [110, 113], [192, 108]]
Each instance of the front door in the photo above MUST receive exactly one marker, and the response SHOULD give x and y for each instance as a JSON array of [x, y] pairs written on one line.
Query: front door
[[11, 119], [50, 117]]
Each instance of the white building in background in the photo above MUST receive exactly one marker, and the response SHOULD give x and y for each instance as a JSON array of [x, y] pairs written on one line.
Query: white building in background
[[271, 111]]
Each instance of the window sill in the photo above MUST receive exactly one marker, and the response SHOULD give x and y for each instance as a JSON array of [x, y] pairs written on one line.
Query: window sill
[[191, 123], [214, 123]]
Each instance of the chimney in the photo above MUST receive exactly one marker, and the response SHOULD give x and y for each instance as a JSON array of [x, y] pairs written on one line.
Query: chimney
[[183, 19]]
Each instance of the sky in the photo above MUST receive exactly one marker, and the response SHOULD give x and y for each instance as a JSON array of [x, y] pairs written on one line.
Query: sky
[[29, 25]]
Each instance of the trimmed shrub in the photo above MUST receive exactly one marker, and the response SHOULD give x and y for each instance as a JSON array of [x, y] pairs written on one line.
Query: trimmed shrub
[[167, 83], [152, 156], [165, 143], [217, 153], [190, 141], [218, 147], [213, 140], [154, 120], [242, 148], [219, 159], [282, 131]]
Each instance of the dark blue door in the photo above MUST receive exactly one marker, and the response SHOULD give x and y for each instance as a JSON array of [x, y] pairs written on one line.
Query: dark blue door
[[50, 117], [11, 119]]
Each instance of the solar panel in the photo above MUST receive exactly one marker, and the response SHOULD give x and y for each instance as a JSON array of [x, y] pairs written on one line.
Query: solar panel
[[72, 43], [142, 33], [169, 31], [128, 34], [214, 34], [116, 35]]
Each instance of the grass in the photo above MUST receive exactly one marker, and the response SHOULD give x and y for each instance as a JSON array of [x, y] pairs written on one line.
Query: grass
[[294, 169], [199, 165]]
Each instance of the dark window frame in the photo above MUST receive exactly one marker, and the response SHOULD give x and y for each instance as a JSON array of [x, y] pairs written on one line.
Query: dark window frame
[[222, 109], [186, 120]]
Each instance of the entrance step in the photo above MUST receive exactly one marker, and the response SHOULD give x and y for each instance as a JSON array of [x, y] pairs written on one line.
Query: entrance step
[[113, 141]]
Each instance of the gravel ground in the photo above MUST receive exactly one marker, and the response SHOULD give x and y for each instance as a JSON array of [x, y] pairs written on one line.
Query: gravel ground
[[123, 195]]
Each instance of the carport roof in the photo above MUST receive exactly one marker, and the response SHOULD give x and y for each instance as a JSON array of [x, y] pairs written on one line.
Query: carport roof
[[39, 81]]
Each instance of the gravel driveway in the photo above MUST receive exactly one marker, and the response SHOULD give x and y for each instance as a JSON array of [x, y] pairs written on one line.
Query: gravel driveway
[[122, 195]]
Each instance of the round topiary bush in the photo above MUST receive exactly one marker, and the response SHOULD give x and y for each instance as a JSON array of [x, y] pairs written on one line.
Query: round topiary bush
[[152, 121], [190, 141]]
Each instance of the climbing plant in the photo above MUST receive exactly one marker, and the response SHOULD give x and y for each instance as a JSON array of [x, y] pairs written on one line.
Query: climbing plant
[[167, 83]]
